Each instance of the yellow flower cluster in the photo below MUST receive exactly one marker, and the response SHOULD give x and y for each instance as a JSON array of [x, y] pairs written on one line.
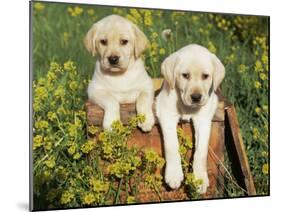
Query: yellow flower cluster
[[51, 162], [265, 168], [88, 199], [222, 23], [91, 12], [131, 200], [42, 124], [75, 11], [242, 68], [88, 146], [139, 16], [212, 47], [39, 6], [37, 141], [66, 197], [98, 185], [152, 157]]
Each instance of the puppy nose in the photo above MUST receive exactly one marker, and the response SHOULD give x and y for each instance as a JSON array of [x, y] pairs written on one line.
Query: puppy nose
[[196, 97], [113, 59]]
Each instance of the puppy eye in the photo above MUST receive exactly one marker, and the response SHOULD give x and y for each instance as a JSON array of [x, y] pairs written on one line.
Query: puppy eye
[[186, 75], [123, 42], [103, 42], [205, 76]]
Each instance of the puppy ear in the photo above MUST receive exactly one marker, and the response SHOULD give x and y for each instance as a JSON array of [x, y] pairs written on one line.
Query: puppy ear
[[141, 41], [219, 71], [168, 69], [89, 40]]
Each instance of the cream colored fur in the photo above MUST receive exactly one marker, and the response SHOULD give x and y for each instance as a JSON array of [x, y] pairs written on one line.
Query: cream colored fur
[[190, 70], [124, 82]]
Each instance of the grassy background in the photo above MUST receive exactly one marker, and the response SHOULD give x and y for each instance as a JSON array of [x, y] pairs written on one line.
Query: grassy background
[[241, 42]]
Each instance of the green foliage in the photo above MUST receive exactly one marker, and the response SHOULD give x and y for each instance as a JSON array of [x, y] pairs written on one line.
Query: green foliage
[[63, 175]]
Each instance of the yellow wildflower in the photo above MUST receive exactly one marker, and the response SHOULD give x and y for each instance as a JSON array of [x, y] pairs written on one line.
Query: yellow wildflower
[[258, 110], [36, 104], [242, 68], [98, 185], [211, 47], [71, 150], [147, 17], [231, 58], [76, 156], [41, 92], [66, 197], [131, 199], [90, 11], [150, 155], [148, 21], [134, 16], [51, 76], [264, 153], [51, 115], [88, 146], [258, 66], [37, 141], [257, 85], [73, 85], [39, 6], [131, 18], [162, 51], [50, 163], [194, 18], [75, 11], [88, 199], [154, 35], [41, 124], [59, 92], [48, 145], [265, 168], [256, 133], [264, 59], [263, 76]]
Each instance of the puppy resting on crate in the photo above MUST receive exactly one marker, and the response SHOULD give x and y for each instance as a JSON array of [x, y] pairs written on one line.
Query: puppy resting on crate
[[192, 75], [119, 75]]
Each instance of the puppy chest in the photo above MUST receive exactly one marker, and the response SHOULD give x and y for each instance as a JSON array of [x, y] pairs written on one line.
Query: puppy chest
[[129, 96]]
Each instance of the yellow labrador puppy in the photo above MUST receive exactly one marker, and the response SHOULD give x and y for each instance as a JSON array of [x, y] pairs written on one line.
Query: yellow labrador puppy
[[192, 75], [119, 75]]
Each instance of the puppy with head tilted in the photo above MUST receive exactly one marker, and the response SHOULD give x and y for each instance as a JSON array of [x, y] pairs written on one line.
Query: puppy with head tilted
[[192, 75], [119, 75]]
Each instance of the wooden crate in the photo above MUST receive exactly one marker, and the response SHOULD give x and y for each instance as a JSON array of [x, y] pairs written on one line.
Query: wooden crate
[[225, 135], [153, 140]]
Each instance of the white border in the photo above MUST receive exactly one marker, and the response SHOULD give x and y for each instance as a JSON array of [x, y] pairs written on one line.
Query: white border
[[14, 54]]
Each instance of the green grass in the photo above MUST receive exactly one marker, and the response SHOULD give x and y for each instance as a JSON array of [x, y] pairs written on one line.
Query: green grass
[[241, 42]]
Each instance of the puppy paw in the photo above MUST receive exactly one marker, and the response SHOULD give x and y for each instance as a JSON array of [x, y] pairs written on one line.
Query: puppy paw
[[108, 119], [173, 176], [148, 123], [203, 176]]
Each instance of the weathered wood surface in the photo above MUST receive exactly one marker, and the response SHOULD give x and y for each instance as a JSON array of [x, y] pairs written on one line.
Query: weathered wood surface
[[237, 140], [95, 113]]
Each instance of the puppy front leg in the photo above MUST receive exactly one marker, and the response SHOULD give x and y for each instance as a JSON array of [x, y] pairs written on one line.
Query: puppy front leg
[[173, 170], [202, 134], [144, 107], [109, 104]]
